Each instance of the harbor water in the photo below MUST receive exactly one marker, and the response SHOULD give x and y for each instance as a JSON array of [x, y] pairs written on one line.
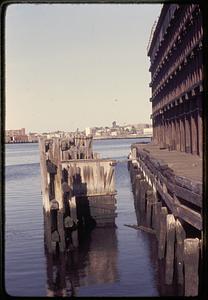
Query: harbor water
[[109, 261]]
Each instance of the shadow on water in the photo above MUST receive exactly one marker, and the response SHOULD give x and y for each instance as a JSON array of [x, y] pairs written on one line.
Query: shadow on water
[[91, 263]]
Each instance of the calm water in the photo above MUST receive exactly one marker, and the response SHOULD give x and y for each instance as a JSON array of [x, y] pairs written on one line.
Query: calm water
[[109, 262]]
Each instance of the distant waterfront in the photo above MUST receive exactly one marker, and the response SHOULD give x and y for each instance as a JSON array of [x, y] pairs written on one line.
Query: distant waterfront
[[97, 138], [141, 136], [23, 142]]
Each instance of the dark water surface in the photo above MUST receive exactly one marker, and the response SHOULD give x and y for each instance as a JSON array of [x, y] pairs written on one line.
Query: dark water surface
[[109, 262]]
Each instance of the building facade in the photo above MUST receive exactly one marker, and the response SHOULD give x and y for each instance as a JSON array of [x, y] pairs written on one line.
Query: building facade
[[16, 136], [15, 132], [176, 66]]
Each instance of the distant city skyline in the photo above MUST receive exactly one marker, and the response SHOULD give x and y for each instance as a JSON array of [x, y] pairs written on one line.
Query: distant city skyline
[[77, 66]]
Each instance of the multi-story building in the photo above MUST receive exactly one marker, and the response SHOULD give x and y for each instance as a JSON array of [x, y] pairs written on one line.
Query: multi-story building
[[175, 52], [15, 132], [16, 136]]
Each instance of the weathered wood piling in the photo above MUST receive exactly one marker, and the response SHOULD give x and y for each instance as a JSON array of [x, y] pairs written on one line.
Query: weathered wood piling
[[170, 204], [78, 190]]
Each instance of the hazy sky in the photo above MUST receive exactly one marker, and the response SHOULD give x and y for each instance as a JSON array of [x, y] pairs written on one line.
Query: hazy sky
[[75, 66]]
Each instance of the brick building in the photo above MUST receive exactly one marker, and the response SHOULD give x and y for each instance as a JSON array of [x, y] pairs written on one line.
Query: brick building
[[175, 51], [15, 132], [16, 136]]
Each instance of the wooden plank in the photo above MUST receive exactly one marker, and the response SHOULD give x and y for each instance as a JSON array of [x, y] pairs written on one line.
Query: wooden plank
[[137, 188], [58, 175], [191, 266], [102, 199], [109, 178], [55, 236], [73, 208], [190, 216], [169, 261], [146, 229], [60, 227], [47, 231], [143, 189], [156, 217], [188, 195], [150, 201], [45, 195], [158, 211], [180, 237], [182, 191], [73, 213], [44, 178], [191, 185], [162, 232], [107, 207], [167, 198]]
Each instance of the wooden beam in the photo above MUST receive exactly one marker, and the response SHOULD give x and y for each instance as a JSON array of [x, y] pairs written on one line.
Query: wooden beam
[[191, 265], [169, 262], [162, 232], [149, 202], [190, 216], [60, 227], [180, 237]]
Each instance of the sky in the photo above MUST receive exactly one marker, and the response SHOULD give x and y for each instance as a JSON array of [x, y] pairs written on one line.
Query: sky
[[72, 66]]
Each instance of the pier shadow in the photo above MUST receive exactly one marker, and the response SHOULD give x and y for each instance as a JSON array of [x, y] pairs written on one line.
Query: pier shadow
[[82, 204]]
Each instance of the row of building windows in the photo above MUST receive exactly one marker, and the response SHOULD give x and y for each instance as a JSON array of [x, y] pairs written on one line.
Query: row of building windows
[[171, 37], [177, 88], [177, 75], [191, 42]]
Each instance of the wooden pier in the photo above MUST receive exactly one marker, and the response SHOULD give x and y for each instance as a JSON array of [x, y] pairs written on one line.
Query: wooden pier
[[78, 190], [167, 187]]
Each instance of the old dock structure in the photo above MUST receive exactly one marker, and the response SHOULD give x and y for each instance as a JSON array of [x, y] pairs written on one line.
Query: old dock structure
[[167, 189], [78, 190], [167, 173]]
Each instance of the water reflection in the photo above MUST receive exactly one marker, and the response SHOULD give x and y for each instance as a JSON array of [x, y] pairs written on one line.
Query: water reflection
[[93, 262]]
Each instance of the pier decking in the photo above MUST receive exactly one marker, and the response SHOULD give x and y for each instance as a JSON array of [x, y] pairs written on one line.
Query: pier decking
[[183, 164]]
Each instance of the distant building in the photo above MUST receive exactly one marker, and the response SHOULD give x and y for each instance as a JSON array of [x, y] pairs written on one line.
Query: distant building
[[16, 136], [114, 124], [175, 53], [88, 131], [20, 138], [114, 133], [148, 131], [15, 132], [8, 139], [97, 133], [33, 137]]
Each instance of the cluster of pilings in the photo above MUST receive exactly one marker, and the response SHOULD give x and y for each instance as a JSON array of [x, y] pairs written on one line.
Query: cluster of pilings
[[77, 146], [179, 244], [77, 193]]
